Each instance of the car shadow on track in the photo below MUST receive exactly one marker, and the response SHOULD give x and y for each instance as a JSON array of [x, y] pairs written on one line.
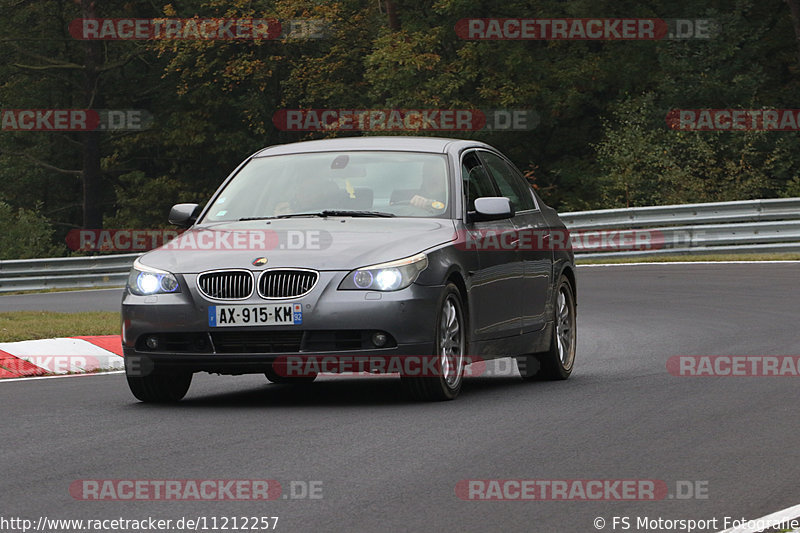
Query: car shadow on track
[[331, 392]]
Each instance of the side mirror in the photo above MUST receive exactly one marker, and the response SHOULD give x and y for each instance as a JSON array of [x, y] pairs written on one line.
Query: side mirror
[[492, 208], [183, 215]]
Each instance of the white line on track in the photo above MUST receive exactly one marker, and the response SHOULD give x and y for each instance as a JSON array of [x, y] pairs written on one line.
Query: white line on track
[[687, 263], [770, 521]]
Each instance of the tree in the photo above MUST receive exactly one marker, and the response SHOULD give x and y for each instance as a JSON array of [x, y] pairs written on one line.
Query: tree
[[60, 72]]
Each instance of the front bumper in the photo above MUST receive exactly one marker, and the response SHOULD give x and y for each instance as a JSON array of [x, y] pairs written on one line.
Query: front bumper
[[335, 323]]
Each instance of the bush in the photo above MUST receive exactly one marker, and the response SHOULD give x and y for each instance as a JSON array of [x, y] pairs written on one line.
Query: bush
[[26, 234]]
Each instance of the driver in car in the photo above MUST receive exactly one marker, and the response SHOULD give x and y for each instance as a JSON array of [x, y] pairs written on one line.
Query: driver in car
[[432, 192], [311, 194]]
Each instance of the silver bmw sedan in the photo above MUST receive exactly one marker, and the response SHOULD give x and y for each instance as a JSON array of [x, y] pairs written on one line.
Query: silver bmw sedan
[[415, 256]]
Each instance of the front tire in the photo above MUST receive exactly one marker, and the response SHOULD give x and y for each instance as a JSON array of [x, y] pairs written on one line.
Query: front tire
[[160, 387], [558, 361], [451, 346]]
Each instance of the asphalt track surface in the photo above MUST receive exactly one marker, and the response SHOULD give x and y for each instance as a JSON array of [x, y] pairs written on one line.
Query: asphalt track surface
[[388, 464], [64, 302]]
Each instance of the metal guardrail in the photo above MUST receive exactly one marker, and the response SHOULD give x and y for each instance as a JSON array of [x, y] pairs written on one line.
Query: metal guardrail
[[667, 215], [65, 272], [750, 226]]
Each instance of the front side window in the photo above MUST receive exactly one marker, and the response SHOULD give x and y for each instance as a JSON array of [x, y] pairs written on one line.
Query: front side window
[[406, 184], [509, 183], [477, 182]]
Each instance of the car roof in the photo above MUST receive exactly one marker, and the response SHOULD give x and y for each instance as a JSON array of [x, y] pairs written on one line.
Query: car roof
[[399, 143]]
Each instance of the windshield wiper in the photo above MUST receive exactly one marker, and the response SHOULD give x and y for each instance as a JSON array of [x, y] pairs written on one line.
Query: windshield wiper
[[345, 213], [326, 213], [282, 216]]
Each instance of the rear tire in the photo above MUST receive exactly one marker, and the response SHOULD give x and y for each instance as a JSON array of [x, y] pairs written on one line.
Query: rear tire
[[160, 387], [557, 362], [451, 347]]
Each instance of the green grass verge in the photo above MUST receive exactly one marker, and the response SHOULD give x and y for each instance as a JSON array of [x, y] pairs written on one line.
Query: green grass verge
[[29, 325], [676, 257]]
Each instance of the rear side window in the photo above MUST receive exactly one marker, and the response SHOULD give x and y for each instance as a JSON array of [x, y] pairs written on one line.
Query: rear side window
[[509, 182], [476, 181]]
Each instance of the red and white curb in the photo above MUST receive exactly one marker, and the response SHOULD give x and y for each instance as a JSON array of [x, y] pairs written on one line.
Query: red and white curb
[[60, 356]]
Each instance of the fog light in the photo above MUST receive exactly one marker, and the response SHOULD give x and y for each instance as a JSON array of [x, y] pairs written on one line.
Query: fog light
[[151, 342], [379, 339]]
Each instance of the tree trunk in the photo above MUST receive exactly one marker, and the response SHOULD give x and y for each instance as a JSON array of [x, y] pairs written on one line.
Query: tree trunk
[[391, 14], [794, 8], [92, 216]]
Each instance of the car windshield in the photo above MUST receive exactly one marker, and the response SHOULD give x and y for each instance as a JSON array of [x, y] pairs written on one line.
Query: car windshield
[[403, 184]]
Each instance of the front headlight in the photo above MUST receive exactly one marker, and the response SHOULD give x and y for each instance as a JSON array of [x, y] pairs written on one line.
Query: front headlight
[[144, 280], [391, 276]]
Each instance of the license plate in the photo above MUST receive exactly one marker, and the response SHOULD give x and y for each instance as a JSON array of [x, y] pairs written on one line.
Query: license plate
[[255, 315]]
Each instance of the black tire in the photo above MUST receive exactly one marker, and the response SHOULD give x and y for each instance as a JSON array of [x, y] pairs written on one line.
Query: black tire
[[274, 377], [450, 356], [559, 360], [160, 387]]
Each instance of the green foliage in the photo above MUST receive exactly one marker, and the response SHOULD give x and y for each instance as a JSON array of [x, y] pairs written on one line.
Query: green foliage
[[602, 140], [25, 234], [144, 202], [649, 164]]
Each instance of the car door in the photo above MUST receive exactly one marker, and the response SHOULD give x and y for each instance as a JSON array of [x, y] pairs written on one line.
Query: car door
[[495, 286], [534, 240]]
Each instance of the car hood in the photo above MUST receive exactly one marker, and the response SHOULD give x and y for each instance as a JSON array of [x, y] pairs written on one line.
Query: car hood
[[332, 243]]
